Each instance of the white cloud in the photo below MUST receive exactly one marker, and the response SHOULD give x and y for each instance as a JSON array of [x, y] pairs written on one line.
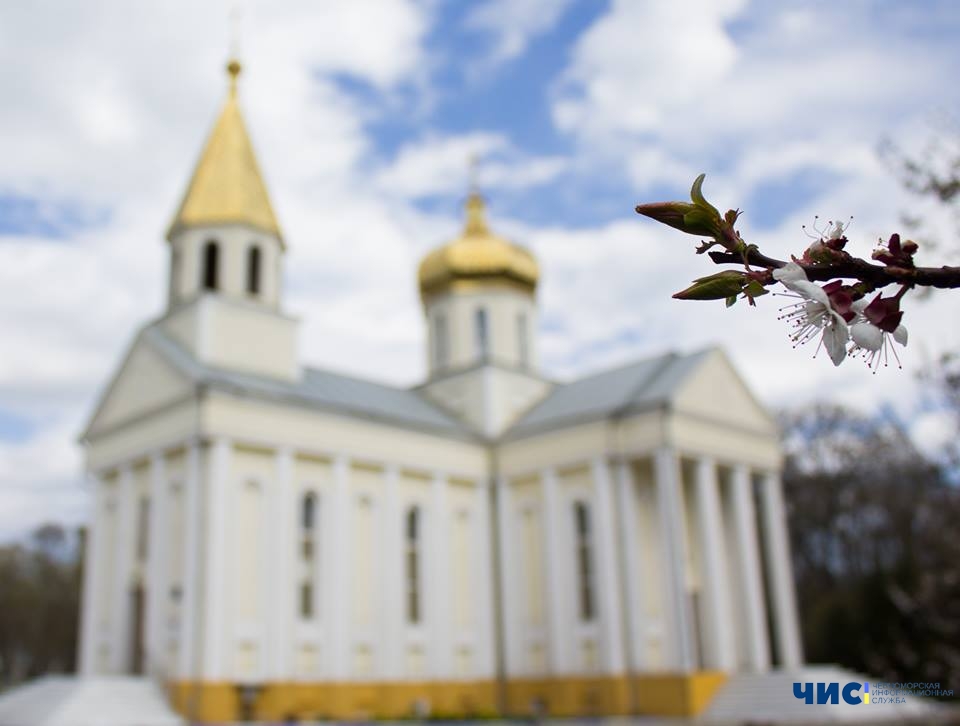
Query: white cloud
[[437, 164], [641, 60], [440, 165], [514, 23]]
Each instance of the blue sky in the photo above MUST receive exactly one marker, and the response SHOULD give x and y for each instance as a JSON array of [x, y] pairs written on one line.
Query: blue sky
[[364, 116]]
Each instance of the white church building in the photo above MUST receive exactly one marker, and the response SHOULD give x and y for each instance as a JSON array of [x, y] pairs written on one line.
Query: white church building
[[271, 540]]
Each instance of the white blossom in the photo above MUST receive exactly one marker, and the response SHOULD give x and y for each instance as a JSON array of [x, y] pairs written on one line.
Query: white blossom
[[813, 316]]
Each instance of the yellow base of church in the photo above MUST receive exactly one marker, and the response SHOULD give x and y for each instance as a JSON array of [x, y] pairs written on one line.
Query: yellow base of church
[[656, 694]]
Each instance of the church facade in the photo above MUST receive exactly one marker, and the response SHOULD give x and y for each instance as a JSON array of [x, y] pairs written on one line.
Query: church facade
[[269, 540]]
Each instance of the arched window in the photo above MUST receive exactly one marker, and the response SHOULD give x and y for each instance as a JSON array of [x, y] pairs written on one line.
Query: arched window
[[483, 333], [308, 511], [523, 344], [581, 517], [175, 284], [253, 270], [440, 341], [211, 264], [413, 565], [308, 550]]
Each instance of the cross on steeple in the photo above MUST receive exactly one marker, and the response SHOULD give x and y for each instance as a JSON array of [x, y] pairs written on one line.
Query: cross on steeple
[[473, 173]]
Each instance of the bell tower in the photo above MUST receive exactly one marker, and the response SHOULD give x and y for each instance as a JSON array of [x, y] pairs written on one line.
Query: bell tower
[[226, 257]]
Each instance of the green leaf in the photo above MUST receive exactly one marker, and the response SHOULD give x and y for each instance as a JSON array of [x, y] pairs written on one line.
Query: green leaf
[[696, 195], [754, 289], [714, 287]]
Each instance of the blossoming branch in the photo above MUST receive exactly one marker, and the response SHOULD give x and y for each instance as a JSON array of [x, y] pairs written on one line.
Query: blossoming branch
[[844, 315]]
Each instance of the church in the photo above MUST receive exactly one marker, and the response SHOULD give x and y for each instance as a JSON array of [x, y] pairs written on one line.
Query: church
[[274, 541]]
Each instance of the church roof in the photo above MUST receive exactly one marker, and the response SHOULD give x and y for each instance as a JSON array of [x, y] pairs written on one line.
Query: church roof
[[320, 389], [638, 386], [477, 255], [227, 186]]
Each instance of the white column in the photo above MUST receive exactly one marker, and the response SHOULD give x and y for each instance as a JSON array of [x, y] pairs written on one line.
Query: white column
[[190, 586], [755, 619], [217, 622], [392, 569], [510, 613], [90, 635], [336, 586], [121, 645], [438, 579], [558, 634], [282, 529], [719, 631], [608, 568], [157, 585], [678, 615], [780, 573], [633, 574], [483, 577]]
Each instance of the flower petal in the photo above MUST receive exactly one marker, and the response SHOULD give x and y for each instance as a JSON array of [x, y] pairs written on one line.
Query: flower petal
[[858, 305], [867, 336], [900, 335], [810, 291], [790, 272], [835, 339]]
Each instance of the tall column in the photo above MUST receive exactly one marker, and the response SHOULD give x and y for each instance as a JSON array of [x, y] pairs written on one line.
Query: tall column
[[755, 619], [510, 613], [157, 569], [483, 569], [336, 586], [558, 635], [608, 569], [90, 635], [392, 569], [720, 648], [780, 573], [678, 613], [438, 580], [282, 529], [633, 574], [121, 640], [189, 588], [217, 621]]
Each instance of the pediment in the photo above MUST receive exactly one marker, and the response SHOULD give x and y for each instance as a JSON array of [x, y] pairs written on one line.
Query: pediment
[[145, 382]]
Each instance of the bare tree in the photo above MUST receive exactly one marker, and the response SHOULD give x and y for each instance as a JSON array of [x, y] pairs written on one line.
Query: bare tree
[[877, 560]]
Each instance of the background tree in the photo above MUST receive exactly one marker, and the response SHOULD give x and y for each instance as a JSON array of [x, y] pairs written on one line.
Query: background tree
[[39, 605], [876, 556], [932, 174]]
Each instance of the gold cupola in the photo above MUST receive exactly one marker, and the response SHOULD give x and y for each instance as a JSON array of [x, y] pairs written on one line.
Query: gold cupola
[[477, 257], [227, 187]]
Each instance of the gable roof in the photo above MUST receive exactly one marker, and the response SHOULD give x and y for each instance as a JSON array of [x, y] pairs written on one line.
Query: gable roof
[[319, 389], [643, 385], [638, 386]]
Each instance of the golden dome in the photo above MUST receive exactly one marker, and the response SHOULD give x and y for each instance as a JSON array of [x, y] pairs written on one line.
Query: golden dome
[[227, 186], [477, 256]]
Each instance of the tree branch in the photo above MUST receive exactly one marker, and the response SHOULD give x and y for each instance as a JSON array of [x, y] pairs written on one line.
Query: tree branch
[[877, 275]]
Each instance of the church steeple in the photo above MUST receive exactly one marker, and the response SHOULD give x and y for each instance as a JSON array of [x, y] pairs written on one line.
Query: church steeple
[[227, 187], [226, 258]]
